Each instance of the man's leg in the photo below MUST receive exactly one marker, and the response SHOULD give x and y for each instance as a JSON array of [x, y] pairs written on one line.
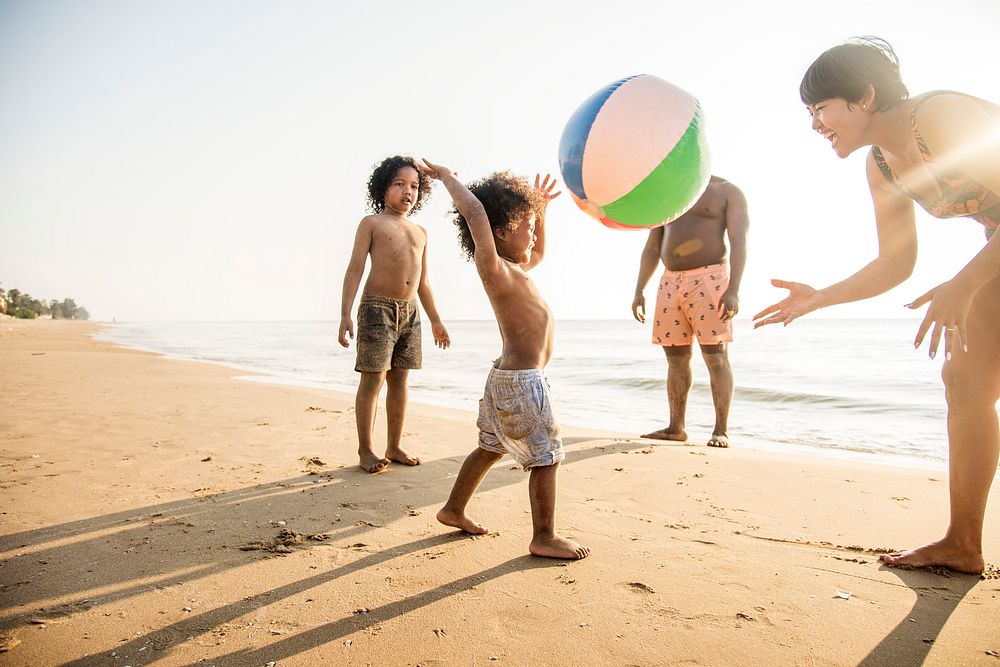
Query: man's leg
[[678, 386], [396, 398], [474, 469], [544, 541], [720, 374], [365, 403]]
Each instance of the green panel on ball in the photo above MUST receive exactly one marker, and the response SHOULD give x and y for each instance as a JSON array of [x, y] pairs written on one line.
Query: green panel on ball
[[670, 189]]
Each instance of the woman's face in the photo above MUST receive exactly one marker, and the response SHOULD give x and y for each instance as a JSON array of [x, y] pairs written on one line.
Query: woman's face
[[842, 124]]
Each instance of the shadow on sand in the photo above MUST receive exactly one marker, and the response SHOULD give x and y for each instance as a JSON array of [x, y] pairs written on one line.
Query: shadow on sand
[[71, 567]]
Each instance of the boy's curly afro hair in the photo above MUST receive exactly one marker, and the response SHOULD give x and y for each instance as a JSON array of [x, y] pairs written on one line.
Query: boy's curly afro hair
[[383, 175], [508, 199]]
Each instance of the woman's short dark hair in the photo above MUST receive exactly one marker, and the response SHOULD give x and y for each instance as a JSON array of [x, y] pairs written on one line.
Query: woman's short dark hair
[[846, 71], [382, 176], [508, 200]]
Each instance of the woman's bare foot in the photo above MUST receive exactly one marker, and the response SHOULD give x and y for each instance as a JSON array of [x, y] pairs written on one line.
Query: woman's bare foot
[[941, 554], [667, 434], [718, 440], [399, 456], [557, 547], [461, 521], [371, 463]]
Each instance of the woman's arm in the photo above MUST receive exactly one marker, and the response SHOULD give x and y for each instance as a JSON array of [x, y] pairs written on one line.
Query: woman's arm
[[962, 133], [897, 253]]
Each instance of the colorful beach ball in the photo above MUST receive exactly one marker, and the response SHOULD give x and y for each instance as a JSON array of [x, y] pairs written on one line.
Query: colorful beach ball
[[634, 155]]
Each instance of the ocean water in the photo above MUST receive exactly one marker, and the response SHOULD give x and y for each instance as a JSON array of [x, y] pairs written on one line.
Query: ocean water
[[821, 386]]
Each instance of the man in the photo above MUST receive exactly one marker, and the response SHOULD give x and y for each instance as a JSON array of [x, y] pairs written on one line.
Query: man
[[697, 298]]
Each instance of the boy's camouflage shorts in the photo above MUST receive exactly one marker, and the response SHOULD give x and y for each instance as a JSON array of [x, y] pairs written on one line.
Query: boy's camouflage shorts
[[388, 334]]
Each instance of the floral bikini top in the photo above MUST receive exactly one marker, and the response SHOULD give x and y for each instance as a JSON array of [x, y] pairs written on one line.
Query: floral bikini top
[[961, 196]]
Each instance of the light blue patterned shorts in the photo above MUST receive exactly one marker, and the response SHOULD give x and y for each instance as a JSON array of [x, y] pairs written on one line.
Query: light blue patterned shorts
[[515, 417]]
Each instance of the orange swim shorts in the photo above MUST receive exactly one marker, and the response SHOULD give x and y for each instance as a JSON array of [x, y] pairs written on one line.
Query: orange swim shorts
[[687, 306]]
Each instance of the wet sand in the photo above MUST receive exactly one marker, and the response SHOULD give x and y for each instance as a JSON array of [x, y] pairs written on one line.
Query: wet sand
[[160, 512]]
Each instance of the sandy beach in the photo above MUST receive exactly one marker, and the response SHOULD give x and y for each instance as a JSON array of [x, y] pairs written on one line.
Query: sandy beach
[[161, 512]]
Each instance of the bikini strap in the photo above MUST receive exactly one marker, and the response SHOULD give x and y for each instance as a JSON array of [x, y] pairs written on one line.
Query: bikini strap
[[883, 166]]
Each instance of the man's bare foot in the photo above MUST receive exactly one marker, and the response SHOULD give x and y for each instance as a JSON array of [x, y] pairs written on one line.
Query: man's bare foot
[[941, 554], [667, 434], [718, 440], [371, 463], [399, 456], [461, 521], [557, 547]]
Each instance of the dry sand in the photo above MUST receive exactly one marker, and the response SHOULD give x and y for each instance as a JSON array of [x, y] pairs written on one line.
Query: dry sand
[[161, 512]]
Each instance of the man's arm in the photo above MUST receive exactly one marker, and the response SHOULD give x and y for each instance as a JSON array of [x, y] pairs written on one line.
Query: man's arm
[[648, 262], [426, 295], [352, 277], [737, 228]]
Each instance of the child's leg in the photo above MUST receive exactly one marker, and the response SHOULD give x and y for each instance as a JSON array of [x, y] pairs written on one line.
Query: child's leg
[[365, 403], [476, 465], [396, 397], [545, 542]]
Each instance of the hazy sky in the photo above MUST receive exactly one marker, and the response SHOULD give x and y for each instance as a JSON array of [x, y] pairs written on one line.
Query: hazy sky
[[207, 160]]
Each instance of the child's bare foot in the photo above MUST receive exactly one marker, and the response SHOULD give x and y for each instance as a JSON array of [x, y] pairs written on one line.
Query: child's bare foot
[[399, 456], [554, 546], [667, 434], [718, 440], [941, 553], [371, 463], [461, 521]]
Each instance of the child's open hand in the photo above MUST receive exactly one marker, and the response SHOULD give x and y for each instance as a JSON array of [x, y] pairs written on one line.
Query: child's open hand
[[437, 171], [547, 186], [441, 337], [346, 329]]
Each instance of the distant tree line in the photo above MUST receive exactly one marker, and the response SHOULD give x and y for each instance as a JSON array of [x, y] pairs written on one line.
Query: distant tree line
[[19, 304]]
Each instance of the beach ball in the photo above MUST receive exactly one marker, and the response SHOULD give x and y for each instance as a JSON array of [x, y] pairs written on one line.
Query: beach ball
[[634, 154]]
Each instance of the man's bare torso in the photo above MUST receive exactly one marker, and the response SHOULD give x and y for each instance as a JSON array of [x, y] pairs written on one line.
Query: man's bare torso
[[697, 238], [526, 323], [396, 253]]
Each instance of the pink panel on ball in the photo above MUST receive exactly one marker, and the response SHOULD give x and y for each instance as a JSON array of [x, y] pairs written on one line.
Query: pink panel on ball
[[636, 128]]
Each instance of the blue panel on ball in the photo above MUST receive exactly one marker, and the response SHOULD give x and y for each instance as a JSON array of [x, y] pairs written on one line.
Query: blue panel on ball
[[574, 137]]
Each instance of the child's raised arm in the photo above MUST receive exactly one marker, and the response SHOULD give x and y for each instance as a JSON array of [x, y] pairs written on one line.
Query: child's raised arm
[[471, 209], [545, 188]]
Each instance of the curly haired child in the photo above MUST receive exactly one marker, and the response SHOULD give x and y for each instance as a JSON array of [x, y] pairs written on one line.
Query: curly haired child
[[502, 228], [388, 338]]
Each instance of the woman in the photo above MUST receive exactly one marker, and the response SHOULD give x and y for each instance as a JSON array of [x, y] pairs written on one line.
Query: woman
[[941, 150]]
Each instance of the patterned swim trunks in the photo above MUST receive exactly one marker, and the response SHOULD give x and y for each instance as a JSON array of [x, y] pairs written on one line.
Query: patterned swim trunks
[[687, 306], [515, 417], [388, 334]]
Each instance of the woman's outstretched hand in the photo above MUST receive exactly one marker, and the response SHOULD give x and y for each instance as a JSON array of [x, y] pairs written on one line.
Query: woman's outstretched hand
[[949, 306], [801, 299]]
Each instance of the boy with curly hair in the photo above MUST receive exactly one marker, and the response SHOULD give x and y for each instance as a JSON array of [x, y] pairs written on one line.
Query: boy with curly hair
[[388, 340], [501, 223]]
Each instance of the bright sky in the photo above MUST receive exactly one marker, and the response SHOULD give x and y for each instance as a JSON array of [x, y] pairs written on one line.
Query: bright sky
[[191, 160]]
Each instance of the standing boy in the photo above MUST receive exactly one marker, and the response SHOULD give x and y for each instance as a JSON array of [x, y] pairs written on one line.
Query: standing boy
[[698, 298], [502, 228], [388, 343]]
